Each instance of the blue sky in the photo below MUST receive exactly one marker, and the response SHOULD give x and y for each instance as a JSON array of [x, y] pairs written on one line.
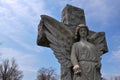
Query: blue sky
[[18, 32]]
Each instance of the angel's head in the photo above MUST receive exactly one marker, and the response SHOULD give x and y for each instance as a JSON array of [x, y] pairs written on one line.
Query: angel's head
[[81, 31]]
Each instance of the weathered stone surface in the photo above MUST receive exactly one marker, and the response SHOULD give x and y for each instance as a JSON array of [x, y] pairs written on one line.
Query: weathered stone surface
[[61, 36], [41, 38], [73, 16]]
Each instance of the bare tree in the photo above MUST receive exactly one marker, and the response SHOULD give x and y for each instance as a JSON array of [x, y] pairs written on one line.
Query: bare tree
[[47, 74], [9, 70]]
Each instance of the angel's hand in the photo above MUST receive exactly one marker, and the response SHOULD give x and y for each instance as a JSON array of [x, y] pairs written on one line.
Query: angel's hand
[[76, 69]]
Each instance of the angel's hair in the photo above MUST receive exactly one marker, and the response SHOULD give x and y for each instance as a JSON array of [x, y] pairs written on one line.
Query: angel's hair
[[77, 35]]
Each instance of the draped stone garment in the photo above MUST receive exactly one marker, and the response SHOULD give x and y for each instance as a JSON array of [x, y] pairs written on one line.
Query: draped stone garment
[[85, 55]]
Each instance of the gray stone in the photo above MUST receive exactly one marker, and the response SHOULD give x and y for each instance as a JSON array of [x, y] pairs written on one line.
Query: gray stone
[[73, 16], [77, 52], [85, 57]]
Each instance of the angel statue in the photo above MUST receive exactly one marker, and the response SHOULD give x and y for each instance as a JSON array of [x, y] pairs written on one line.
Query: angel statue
[[85, 56], [77, 49]]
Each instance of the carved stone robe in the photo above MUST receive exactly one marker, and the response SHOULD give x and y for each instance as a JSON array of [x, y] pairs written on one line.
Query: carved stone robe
[[86, 56]]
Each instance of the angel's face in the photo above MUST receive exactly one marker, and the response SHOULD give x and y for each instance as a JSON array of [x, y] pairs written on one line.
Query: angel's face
[[83, 32]]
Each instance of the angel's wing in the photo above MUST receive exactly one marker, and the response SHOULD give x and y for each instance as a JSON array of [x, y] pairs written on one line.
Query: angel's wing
[[98, 38], [60, 39]]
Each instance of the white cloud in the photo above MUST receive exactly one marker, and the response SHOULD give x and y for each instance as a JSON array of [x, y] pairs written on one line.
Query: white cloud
[[20, 21], [23, 58], [116, 55], [31, 47], [2, 9], [22, 7], [108, 76], [116, 38], [114, 43]]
